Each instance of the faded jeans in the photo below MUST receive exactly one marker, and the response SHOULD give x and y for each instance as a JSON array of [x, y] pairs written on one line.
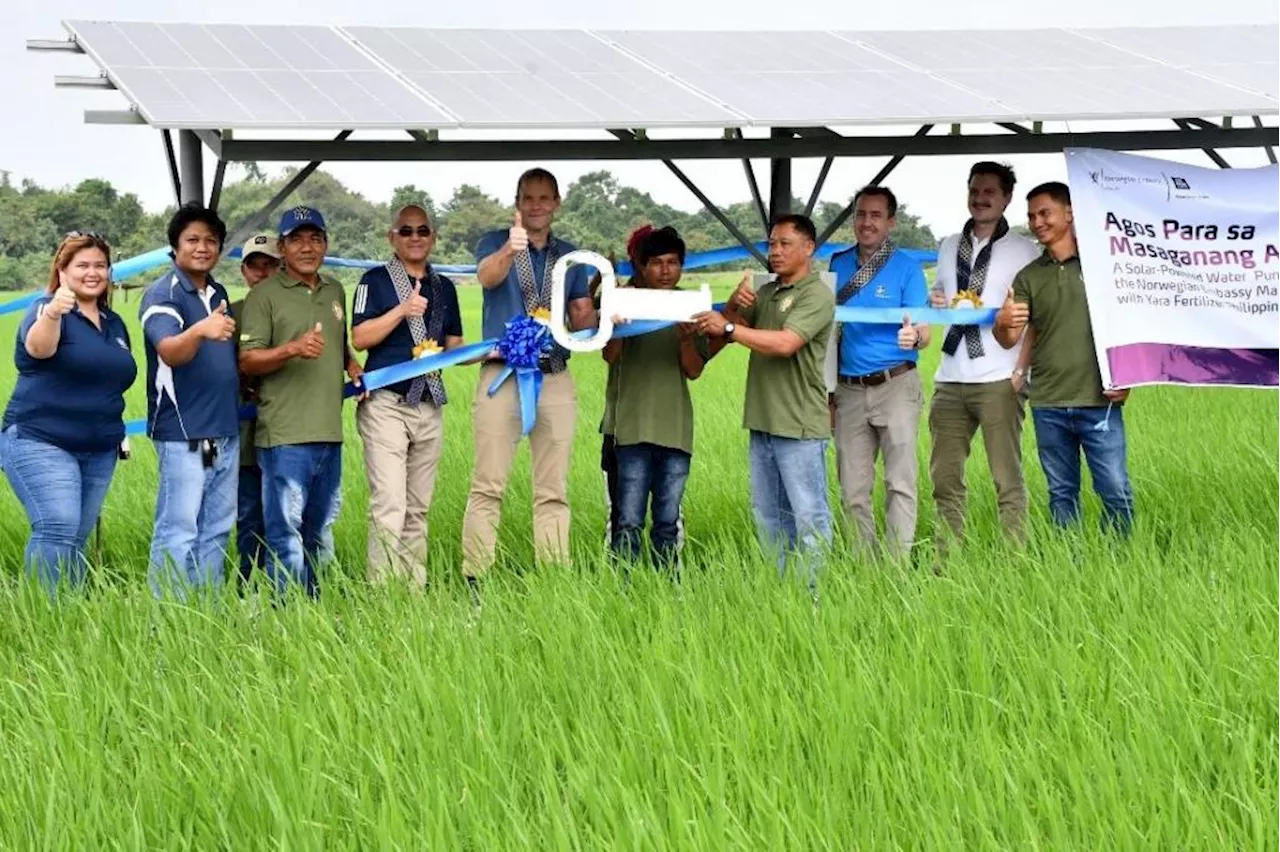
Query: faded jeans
[[789, 499], [62, 493], [195, 510], [1061, 435], [301, 496], [647, 471]]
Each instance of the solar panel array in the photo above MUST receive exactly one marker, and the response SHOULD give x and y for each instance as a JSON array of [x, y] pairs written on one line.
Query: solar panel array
[[315, 77]]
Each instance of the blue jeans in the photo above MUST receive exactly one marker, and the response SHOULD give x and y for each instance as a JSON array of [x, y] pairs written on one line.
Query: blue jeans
[[301, 496], [195, 508], [251, 532], [1061, 434], [646, 470], [789, 498], [62, 493]]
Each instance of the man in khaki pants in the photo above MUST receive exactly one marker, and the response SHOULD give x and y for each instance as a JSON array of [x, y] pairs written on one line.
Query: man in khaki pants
[[878, 398], [978, 382], [514, 267], [401, 308]]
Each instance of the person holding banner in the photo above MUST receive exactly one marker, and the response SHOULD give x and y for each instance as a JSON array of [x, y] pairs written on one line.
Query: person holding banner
[[650, 415], [63, 426], [401, 309], [878, 395], [1070, 408], [294, 338], [786, 325], [978, 382], [514, 268], [259, 259], [193, 407]]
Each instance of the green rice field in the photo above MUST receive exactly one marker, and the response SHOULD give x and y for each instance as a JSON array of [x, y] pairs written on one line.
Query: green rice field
[[1079, 694]]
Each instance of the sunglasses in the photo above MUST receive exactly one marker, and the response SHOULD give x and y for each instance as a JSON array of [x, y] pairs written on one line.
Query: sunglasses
[[90, 234], [407, 231]]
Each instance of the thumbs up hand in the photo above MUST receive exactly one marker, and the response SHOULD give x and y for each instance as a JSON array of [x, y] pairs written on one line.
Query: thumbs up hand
[[908, 335], [64, 299], [310, 344], [218, 325], [1013, 315], [517, 237], [416, 304]]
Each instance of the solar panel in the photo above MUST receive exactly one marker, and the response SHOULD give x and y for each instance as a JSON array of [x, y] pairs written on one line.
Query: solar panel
[[228, 75], [1244, 56], [1058, 74], [805, 78], [534, 78]]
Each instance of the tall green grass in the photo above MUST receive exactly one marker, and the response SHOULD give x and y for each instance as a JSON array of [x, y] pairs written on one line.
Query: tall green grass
[[1080, 694]]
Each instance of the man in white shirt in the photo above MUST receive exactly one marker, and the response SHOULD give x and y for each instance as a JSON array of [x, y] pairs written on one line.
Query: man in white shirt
[[979, 382]]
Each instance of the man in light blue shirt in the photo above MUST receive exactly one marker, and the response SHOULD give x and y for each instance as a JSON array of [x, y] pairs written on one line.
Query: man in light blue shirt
[[878, 398]]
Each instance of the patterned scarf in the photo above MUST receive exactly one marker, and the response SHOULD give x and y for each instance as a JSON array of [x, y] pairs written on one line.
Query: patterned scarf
[[971, 276], [866, 272], [418, 327], [556, 360]]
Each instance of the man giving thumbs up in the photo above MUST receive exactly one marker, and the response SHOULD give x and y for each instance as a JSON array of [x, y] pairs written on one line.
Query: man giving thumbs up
[[294, 337]]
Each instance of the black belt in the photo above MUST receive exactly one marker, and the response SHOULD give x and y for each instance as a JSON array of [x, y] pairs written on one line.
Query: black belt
[[879, 377]]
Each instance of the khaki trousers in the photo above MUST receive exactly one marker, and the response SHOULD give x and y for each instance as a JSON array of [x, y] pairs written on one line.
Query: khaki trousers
[[882, 420], [496, 425], [402, 446], [958, 410]]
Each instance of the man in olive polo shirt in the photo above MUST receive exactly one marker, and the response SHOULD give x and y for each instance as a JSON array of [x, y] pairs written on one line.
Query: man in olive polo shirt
[[649, 414], [294, 337], [1071, 410], [787, 326]]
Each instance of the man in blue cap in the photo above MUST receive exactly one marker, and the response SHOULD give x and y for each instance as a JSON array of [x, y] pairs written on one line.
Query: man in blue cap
[[294, 338]]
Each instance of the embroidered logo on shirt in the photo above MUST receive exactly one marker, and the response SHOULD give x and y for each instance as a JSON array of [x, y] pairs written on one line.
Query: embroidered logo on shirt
[[786, 304], [337, 311], [121, 343], [881, 293]]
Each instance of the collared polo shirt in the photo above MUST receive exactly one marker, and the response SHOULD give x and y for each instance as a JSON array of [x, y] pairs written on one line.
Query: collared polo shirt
[[871, 347], [248, 396], [75, 398], [1009, 254], [1064, 363], [301, 403], [198, 399], [788, 396], [376, 294], [647, 393], [505, 302]]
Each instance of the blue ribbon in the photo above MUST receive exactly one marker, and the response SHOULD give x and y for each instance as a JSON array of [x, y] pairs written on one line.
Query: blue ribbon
[[919, 316]]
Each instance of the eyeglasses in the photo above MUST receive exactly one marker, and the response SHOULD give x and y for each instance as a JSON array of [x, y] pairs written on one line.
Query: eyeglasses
[[407, 231]]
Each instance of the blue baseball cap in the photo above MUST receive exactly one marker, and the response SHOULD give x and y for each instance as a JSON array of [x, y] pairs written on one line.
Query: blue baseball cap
[[299, 217]]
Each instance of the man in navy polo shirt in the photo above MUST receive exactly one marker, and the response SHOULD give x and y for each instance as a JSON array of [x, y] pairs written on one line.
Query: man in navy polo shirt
[[192, 407], [402, 309], [514, 267], [878, 397]]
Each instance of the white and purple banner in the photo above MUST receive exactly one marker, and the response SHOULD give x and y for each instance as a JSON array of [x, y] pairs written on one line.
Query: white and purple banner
[[1182, 269]]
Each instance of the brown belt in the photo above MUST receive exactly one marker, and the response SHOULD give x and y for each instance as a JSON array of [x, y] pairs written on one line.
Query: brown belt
[[870, 380]]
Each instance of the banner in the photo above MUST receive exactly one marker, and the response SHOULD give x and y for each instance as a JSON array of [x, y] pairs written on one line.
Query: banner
[[1182, 269]]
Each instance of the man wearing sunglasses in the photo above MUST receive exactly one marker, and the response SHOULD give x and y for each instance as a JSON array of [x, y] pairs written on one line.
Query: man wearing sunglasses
[[402, 309]]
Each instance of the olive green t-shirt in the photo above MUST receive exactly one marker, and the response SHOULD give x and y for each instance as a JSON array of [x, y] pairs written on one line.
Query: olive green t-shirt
[[647, 397], [300, 403], [788, 396], [248, 456], [1064, 364]]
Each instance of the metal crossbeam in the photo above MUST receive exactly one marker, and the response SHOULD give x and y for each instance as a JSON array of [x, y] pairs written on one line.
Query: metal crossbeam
[[884, 172], [1209, 152]]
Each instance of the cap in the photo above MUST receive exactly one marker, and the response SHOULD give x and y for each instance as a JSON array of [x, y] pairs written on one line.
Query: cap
[[298, 217], [260, 243]]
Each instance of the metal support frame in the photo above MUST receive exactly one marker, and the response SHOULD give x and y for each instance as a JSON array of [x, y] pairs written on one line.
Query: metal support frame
[[258, 218], [1271, 151], [172, 158], [633, 148], [779, 177], [215, 195], [190, 167], [817, 186], [884, 172], [754, 187], [1209, 152]]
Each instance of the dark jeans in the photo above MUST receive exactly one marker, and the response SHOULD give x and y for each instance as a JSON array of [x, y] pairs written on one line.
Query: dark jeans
[[62, 493], [251, 531], [1061, 435], [649, 472], [301, 496]]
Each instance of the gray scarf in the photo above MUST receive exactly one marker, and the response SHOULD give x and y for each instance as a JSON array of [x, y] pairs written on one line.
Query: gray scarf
[[418, 327], [554, 361]]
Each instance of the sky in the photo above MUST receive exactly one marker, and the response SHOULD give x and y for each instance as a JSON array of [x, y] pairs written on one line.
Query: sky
[[50, 143]]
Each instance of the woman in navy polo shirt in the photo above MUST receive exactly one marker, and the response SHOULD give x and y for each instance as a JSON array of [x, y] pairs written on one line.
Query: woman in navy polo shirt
[[64, 423]]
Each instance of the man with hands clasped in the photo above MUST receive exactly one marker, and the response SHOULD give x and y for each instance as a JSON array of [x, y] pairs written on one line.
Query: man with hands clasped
[[1071, 410], [193, 406]]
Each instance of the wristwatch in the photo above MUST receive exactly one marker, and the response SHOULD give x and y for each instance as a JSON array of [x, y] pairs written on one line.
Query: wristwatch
[[729, 328]]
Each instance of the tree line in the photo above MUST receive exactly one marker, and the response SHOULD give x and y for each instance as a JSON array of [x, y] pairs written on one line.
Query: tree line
[[597, 213]]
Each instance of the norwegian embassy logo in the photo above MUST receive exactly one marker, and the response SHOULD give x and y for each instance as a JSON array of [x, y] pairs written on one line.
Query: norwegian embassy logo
[[1180, 188]]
